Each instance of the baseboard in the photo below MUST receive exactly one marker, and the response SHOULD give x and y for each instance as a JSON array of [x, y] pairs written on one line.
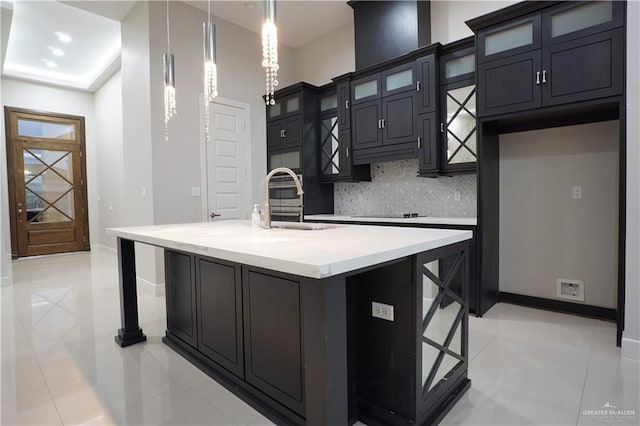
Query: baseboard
[[154, 289], [630, 349], [558, 306], [103, 247]]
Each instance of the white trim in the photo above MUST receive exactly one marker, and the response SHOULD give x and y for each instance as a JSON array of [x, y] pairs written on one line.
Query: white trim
[[109, 249], [154, 289], [204, 186], [630, 349]]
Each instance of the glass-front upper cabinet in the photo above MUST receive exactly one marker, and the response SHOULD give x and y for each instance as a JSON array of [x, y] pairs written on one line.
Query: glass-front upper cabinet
[[284, 107], [578, 19], [399, 79], [458, 115], [509, 39]]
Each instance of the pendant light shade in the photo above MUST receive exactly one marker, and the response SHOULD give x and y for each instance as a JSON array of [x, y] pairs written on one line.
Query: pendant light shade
[[270, 49], [169, 75], [210, 67]]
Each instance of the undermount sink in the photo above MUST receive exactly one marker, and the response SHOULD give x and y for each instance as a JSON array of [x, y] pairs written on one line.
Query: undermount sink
[[302, 226]]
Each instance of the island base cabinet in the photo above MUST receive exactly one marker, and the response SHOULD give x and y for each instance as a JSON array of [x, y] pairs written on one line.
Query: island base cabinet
[[179, 272], [274, 362], [219, 313]]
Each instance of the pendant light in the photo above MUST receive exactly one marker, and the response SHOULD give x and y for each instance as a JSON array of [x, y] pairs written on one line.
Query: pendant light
[[270, 49], [169, 82], [210, 67]]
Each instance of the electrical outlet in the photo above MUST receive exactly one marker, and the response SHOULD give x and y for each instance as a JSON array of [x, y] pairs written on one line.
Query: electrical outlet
[[382, 311], [456, 195], [576, 192]]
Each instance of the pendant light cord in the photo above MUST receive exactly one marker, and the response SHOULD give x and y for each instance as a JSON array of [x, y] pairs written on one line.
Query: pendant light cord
[[168, 36], [208, 10]]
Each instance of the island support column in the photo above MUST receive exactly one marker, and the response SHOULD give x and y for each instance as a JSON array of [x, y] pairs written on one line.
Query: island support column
[[130, 333], [325, 348]]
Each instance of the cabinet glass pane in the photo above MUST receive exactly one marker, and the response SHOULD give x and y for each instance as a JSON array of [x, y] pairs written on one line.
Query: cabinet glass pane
[[500, 41], [364, 90], [581, 17], [461, 125], [399, 79], [329, 147], [459, 66], [329, 102], [442, 312], [290, 160], [43, 129], [293, 104], [275, 110]]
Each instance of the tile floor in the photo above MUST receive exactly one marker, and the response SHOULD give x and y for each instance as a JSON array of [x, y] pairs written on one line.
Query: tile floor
[[61, 366]]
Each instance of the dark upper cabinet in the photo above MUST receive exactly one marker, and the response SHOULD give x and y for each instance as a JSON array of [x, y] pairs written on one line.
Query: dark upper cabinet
[[180, 295], [367, 124], [428, 145], [566, 53], [427, 84], [384, 114], [219, 313], [285, 106], [284, 133], [335, 136], [457, 109]]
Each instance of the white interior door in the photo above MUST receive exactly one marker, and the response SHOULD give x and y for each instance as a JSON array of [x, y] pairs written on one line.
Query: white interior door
[[226, 153]]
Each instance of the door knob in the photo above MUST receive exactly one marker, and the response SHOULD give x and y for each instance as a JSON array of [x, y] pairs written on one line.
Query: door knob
[[213, 215]]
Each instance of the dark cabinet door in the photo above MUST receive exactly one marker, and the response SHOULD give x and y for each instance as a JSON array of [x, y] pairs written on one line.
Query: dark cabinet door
[[219, 291], [180, 296], [344, 105], [427, 80], [459, 128], [582, 69], [366, 122], [428, 144], [274, 135], [399, 119], [399, 79], [510, 84], [292, 134], [273, 337]]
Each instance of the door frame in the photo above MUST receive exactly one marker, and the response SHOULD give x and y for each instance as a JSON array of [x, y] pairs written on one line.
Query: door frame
[[204, 172], [11, 173]]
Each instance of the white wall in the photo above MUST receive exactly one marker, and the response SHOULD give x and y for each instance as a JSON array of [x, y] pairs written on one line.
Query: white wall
[[137, 170], [631, 336], [544, 233], [23, 94], [329, 56], [176, 163], [112, 210]]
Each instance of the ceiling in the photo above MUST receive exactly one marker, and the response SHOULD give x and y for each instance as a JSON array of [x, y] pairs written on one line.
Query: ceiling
[[94, 26]]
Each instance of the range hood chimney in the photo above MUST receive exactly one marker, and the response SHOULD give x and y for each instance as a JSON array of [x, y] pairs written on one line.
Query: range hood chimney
[[386, 29]]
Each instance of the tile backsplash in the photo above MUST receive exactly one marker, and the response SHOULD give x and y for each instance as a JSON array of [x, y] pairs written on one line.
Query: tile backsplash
[[395, 189]]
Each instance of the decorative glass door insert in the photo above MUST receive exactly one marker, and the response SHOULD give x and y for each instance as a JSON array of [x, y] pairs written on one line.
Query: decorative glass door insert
[[461, 132]]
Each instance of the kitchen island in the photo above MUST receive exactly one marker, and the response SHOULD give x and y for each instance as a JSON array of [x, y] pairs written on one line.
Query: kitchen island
[[325, 324]]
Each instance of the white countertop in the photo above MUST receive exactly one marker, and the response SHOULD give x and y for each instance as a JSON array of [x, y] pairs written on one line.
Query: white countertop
[[314, 254], [427, 220]]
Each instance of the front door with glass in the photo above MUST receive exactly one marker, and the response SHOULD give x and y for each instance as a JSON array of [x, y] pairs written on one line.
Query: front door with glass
[[46, 175]]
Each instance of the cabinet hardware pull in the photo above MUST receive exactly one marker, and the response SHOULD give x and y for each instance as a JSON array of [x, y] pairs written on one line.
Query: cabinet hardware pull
[[346, 104], [347, 152], [419, 142], [379, 124], [418, 85], [383, 123], [441, 127], [284, 133], [538, 77], [544, 76]]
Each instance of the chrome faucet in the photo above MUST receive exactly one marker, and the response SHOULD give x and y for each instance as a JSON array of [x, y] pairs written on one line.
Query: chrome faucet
[[267, 211]]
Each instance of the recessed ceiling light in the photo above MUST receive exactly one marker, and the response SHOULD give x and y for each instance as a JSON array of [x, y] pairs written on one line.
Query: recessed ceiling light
[[65, 38], [56, 51], [49, 63]]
